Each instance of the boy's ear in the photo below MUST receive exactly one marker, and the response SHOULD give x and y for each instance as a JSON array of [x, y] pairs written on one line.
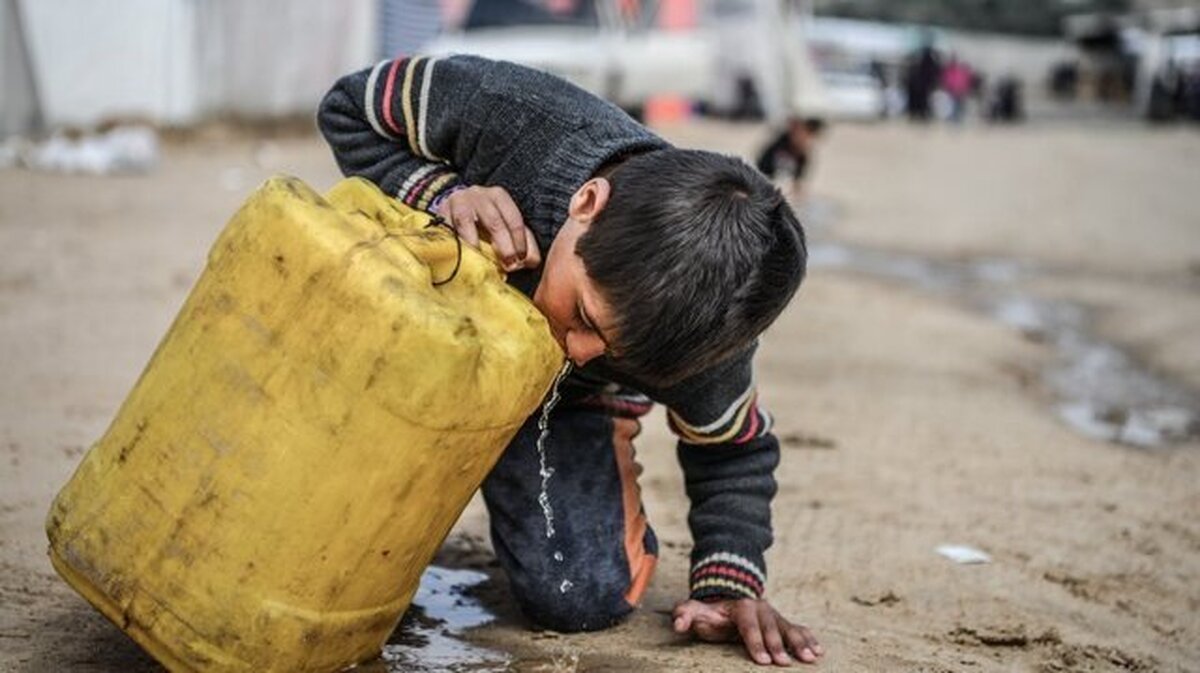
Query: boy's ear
[[589, 200]]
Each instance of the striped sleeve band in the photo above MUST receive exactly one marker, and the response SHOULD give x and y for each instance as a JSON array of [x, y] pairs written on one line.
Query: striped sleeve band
[[426, 184], [725, 575], [741, 422], [396, 102]]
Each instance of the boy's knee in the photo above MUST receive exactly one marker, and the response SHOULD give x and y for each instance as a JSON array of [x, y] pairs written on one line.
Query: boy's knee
[[569, 607]]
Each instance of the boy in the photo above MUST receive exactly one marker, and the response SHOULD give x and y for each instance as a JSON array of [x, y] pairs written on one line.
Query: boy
[[788, 154], [661, 268]]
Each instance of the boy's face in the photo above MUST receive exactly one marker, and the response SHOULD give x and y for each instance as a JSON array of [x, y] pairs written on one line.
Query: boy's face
[[799, 136], [579, 316]]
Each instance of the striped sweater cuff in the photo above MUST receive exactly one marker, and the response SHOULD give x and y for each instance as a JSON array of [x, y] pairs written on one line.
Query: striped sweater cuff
[[725, 575], [396, 102], [425, 187]]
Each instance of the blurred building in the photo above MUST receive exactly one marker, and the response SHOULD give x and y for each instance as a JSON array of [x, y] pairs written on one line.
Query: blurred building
[[1138, 57]]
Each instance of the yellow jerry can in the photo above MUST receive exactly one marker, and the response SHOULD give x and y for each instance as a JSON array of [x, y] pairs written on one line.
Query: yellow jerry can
[[304, 437]]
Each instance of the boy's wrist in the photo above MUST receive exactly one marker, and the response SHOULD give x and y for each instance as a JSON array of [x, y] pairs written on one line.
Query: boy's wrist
[[436, 203]]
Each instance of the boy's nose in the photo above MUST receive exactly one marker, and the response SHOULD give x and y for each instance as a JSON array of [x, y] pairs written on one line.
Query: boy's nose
[[582, 347]]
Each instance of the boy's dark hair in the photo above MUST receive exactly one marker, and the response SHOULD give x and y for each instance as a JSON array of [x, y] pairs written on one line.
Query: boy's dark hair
[[814, 125], [696, 253]]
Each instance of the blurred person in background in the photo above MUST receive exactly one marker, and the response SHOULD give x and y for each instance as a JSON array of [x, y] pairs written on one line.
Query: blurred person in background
[[1064, 80], [789, 154], [1191, 93], [956, 82], [1007, 104], [921, 78]]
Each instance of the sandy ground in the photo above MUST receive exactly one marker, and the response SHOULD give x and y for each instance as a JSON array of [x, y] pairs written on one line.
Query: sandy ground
[[908, 420]]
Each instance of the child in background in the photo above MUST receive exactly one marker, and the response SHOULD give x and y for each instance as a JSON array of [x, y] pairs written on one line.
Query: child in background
[[788, 154], [956, 82], [656, 268]]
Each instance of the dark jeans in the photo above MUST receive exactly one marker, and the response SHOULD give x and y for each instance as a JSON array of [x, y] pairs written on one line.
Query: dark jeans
[[593, 570]]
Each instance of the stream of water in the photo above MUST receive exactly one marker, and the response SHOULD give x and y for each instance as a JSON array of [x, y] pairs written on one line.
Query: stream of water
[[546, 471]]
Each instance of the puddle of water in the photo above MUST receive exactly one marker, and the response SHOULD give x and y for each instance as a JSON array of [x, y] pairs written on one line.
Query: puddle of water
[[930, 275], [1104, 393], [430, 637], [544, 471]]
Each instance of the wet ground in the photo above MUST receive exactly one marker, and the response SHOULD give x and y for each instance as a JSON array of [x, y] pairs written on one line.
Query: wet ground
[[1099, 389], [430, 638], [440, 632]]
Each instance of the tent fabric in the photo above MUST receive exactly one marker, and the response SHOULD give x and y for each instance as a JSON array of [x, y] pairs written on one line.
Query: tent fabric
[[20, 111], [176, 62]]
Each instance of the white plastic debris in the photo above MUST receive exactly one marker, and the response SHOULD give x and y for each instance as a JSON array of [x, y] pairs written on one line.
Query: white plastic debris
[[962, 554], [124, 149], [10, 151]]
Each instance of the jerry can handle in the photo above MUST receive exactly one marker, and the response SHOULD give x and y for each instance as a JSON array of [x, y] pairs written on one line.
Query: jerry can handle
[[484, 249], [436, 221]]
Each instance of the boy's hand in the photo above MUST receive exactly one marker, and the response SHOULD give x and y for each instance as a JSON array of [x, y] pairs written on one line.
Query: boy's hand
[[491, 213], [766, 634]]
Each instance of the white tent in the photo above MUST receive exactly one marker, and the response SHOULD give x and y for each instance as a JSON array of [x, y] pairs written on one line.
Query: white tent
[[177, 61], [19, 107]]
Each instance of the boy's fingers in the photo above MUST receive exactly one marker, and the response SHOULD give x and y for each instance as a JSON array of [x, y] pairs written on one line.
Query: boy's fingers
[[533, 254], [812, 640], [772, 638], [751, 633], [502, 239], [462, 218], [512, 220], [704, 621], [683, 622], [681, 618], [802, 642]]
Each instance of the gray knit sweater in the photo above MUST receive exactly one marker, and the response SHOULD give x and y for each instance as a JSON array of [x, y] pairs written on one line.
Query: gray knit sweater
[[419, 127]]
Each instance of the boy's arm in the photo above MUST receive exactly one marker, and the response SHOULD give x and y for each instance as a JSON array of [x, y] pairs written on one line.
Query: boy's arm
[[728, 455], [400, 124], [729, 458]]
